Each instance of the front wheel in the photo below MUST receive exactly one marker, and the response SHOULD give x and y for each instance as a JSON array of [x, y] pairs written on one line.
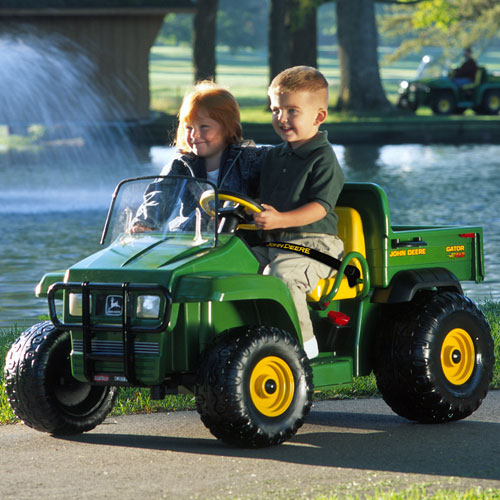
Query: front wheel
[[41, 389], [435, 358], [254, 387], [443, 103]]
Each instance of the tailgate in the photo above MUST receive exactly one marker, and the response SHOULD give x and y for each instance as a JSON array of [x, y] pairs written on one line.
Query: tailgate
[[458, 249]]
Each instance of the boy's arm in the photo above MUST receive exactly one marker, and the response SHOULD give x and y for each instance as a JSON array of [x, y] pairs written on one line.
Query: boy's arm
[[272, 219]]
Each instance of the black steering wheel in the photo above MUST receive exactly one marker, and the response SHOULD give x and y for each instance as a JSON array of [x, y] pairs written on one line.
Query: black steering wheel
[[240, 203]]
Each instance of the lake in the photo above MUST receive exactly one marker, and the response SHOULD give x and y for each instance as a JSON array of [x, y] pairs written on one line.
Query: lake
[[52, 210]]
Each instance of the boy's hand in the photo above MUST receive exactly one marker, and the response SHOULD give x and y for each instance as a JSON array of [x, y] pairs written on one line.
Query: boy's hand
[[269, 219], [273, 219]]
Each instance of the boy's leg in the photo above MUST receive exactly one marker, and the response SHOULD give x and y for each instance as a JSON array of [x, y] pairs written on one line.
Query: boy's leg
[[301, 275]]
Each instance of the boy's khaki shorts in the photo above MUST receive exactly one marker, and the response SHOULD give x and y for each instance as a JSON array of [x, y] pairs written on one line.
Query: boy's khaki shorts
[[299, 272]]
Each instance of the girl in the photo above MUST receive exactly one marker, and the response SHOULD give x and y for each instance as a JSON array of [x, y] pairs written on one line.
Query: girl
[[211, 146]]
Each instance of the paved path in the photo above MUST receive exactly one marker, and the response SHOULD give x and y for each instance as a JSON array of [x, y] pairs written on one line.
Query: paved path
[[346, 447]]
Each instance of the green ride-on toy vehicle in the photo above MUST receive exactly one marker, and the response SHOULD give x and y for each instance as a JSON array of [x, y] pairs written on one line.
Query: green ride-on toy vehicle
[[434, 87], [183, 309]]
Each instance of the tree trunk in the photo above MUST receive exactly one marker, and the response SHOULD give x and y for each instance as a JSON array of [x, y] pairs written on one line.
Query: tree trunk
[[204, 34], [360, 84], [292, 35], [303, 33], [278, 37]]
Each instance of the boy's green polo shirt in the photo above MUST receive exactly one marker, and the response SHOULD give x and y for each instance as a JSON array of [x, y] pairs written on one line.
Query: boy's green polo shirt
[[290, 178]]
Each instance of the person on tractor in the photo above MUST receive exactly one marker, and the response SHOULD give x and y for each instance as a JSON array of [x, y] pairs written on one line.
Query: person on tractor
[[465, 73]]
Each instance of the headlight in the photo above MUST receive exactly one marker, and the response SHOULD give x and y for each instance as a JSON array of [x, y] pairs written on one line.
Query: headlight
[[404, 84], [148, 306], [75, 304]]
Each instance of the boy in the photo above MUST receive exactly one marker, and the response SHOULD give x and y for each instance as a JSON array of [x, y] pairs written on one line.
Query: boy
[[300, 183]]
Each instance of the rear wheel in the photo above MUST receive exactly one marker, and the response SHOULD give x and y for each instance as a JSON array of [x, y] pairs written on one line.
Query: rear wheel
[[254, 387], [435, 358], [443, 103], [41, 389], [491, 102]]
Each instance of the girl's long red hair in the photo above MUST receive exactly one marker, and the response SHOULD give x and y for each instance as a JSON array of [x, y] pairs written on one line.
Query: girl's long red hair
[[218, 103]]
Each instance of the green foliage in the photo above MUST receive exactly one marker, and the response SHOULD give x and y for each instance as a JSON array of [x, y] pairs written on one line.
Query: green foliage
[[239, 25], [132, 400], [418, 492], [7, 337], [449, 24], [81, 4], [176, 30], [492, 312], [242, 24], [362, 387], [440, 14]]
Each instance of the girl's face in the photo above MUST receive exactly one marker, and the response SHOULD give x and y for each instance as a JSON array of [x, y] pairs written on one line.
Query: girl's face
[[204, 136]]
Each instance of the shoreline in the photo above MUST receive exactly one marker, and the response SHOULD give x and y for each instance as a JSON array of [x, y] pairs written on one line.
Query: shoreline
[[397, 130]]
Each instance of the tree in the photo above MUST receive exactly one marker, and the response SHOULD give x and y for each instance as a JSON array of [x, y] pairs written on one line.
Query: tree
[[204, 38], [450, 24], [360, 83], [278, 38], [292, 34], [303, 49]]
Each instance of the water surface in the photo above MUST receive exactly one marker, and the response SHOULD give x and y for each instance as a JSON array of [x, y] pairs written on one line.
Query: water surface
[[51, 215]]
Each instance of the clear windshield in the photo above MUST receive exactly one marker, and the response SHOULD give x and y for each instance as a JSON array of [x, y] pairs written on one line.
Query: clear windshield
[[431, 68], [166, 206]]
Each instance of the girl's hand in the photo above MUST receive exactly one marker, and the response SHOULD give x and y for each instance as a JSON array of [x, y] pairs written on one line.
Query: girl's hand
[[138, 228]]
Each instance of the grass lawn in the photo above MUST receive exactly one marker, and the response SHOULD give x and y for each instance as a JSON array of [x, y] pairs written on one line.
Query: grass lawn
[[245, 73]]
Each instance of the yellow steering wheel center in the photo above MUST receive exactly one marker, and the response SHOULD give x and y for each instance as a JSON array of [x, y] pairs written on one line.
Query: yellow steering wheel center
[[272, 386], [458, 356]]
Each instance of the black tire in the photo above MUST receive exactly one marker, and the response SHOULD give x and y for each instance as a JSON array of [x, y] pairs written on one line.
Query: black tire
[[490, 104], [443, 103], [254, 387], [41, 390], [435, 359]]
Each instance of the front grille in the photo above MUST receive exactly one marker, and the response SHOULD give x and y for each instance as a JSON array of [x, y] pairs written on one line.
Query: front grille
[[115, 347]]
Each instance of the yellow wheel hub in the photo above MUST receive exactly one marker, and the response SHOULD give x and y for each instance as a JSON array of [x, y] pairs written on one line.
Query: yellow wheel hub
[[272, 386], [494, 102], [457, 356], [444, 106]]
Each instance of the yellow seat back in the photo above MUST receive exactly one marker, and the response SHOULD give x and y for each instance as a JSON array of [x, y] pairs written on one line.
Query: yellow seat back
[[350, 229], [478, 79]]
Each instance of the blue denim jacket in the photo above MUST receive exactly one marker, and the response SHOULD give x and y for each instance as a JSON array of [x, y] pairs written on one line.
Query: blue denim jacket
[[239, 172]]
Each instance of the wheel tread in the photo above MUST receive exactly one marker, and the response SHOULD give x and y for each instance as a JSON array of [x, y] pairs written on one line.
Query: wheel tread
[[406, 375]]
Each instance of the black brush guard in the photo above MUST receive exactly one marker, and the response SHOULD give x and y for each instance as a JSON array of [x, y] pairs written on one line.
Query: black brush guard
[[127, 329]]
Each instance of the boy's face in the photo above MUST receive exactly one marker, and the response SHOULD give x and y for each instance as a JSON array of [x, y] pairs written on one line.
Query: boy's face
[[297, 116]]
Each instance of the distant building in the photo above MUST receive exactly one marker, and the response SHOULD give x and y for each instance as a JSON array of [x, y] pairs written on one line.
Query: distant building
[[116, 35]]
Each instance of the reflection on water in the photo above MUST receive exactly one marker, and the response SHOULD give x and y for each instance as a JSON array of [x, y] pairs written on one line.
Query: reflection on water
[[60, 211]]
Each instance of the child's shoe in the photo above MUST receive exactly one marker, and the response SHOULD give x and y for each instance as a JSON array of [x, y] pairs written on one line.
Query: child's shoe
[[311, 348]]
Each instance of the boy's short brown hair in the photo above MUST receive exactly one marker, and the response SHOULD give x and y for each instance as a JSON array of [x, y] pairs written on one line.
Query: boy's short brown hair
[[299, 79]]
